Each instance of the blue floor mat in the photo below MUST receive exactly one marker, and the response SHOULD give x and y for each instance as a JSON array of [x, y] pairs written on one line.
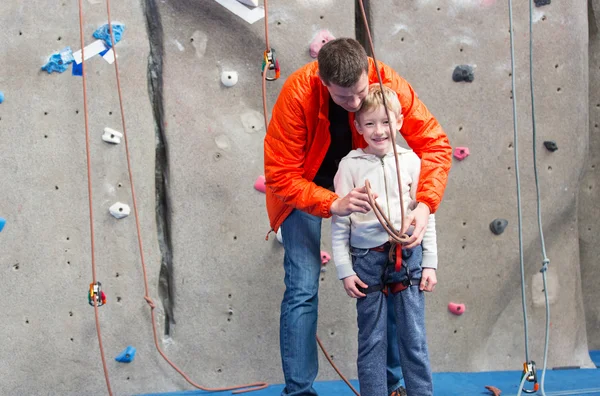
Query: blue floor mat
[[558, 383]]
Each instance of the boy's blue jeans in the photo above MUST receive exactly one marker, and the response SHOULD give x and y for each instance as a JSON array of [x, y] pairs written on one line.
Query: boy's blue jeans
[[373, 337], [299, 308]]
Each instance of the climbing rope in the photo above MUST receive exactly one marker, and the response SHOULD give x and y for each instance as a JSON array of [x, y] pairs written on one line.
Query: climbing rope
[[529, 373], [237, 389], [396, 236], [90, 198]]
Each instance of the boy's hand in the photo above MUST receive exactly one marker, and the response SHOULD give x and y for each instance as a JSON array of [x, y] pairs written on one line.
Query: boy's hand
[[350, 283], [356, 200], [419, 217], [428, 280]]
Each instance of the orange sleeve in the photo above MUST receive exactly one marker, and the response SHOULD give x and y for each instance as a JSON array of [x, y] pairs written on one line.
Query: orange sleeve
[[425, 136], [284, 156]]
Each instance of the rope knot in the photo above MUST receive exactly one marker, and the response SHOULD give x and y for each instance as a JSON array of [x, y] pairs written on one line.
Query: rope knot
[[545, 265], [150, 302]]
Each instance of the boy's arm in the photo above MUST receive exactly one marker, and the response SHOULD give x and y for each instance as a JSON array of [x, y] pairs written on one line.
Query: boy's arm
[[340, 225], [425, 136], [429, 243]]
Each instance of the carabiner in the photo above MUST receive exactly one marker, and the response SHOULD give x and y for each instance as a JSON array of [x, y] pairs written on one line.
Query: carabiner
[[270, 58], [530, 372], [96, 294]]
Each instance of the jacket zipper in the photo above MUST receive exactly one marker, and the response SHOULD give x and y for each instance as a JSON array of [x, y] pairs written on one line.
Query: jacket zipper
[[387, 201]]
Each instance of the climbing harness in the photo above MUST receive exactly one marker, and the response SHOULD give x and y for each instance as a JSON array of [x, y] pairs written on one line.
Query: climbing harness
[[96, 296], [96, 293]]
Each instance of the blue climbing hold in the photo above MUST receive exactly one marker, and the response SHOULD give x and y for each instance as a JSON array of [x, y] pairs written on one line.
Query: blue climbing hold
[[59, 61], [103, 33], [127, 355], [1, 96], [2, 223]]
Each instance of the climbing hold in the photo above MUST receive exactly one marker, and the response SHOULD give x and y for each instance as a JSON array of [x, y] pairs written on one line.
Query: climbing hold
[[230, 78], [251, 3], [112, 136], [551, 145], [318, 41], [495, 391], [456, 309], [2, 223], [120, 210], [461, 153], [127, 355], [497, 226], [279, 235], [259, 184], [539, 3], [96, 294], [463, 73], [59, 61], [325, 257], [103, 33], [1, 96]]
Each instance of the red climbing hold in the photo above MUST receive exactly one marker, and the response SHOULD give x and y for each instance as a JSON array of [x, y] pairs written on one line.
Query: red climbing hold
[[322, 37], [461, 153], [456, 309], [259, 184], [325, 257]]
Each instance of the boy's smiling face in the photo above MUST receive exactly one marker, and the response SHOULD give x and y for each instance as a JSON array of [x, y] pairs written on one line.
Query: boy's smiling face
[[374, 127]]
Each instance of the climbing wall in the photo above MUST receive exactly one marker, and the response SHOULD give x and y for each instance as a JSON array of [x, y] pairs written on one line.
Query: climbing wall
[[477, 267], [196, 150], [589, 239]]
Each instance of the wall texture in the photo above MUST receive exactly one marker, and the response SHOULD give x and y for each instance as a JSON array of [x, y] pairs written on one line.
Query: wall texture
[[196, 150]]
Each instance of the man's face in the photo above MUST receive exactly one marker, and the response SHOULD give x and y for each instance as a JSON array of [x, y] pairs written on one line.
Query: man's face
[[352, 97]]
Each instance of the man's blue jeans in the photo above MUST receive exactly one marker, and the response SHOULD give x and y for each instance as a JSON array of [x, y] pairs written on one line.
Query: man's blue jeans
[[299, 309]]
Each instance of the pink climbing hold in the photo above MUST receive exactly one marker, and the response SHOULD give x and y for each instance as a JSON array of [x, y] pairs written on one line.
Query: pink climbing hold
[[325, 257], [456, 309], [461, 153], [322, 37], [259, 184]]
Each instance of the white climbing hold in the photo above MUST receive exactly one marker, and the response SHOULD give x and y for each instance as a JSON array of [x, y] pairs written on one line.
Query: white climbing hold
[[120, 210], [279, 235], [251, 3], [112, 136], [229, 78]]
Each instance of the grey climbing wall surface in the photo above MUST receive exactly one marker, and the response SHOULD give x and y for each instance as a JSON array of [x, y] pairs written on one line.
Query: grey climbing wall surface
[[425, 42], [196, 150], [589, 240]]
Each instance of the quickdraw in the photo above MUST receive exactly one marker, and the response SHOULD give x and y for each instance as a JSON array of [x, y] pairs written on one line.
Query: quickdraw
[[270, 58], [530, 373], [96, 294]]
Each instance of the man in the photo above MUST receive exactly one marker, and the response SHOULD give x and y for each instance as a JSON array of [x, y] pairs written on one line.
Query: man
[[311, 129]]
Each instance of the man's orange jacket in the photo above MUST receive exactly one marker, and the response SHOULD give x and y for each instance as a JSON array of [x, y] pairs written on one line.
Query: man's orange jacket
[[298, 138]]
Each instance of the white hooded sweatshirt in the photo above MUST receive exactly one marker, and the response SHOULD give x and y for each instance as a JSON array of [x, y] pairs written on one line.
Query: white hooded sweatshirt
[[364, 230]]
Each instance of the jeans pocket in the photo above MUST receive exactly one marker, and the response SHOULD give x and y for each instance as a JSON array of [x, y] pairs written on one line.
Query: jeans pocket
[[358, 253]]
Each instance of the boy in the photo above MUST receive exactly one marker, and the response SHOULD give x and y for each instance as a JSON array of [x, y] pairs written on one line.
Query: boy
[[361, 251]]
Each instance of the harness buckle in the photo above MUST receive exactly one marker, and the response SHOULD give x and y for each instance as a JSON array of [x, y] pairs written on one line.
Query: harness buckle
[[96, 294], [270, 58], [529, 372]]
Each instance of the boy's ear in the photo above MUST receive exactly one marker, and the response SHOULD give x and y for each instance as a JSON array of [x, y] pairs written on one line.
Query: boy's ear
[[357, 126]]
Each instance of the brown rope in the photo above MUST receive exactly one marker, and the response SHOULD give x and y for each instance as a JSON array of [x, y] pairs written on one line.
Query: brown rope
[[396, 236], [90, 200]]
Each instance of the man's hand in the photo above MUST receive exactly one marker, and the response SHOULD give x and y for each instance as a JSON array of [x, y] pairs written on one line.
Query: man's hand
[[428, 280], [419, 217], [357, 200], [350, 283]]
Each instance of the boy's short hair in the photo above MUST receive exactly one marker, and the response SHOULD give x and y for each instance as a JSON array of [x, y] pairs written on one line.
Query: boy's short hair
[[342, 62], [374, 99]]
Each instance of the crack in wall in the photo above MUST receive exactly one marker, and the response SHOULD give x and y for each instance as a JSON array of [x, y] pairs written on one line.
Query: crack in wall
[[360, 31], [163, 213]]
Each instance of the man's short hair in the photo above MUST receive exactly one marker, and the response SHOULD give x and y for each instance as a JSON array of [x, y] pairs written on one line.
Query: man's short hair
[[342, 62], [374, 99]]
